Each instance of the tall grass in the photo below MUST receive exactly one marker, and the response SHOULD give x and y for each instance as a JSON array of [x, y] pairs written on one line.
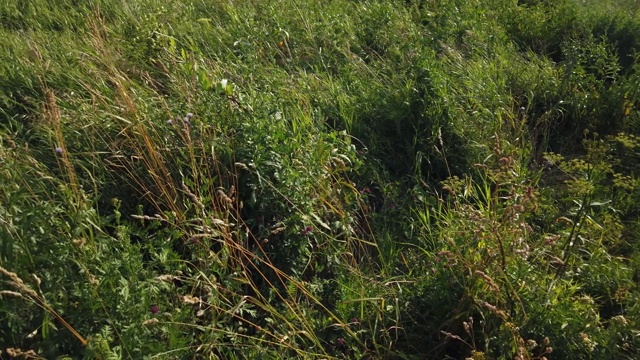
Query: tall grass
[[299, 179]]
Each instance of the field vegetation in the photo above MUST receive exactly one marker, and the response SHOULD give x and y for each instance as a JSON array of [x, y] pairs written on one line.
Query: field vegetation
[[339, 179]]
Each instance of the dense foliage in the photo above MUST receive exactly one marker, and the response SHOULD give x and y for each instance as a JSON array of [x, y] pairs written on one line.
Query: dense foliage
[[320, 179]]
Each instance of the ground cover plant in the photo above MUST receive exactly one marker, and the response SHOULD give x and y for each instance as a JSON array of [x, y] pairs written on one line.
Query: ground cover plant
[[319, 179]]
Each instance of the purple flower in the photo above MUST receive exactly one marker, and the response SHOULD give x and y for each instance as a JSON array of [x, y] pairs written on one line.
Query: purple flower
[[341, 342], [154, 309], [355, 321], [365, 191], [307, 230], [59, 150]]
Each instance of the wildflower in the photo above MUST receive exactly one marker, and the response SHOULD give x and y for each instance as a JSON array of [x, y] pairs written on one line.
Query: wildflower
[[355, 320], [170, 122], [365, 191], [307, 231], [154, 309], [189, 115], [59, 150], [341, 341]]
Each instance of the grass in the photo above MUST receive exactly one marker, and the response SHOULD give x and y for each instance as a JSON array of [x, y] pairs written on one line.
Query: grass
[[299, 179]]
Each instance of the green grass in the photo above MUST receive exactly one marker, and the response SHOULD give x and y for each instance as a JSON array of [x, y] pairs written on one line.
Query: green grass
[[336, 179]]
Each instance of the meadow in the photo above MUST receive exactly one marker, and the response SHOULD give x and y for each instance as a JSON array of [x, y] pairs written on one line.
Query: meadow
[[338, 179]]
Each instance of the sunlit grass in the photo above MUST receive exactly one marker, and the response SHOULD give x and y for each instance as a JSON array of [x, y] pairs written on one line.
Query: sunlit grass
[[299, 179]]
